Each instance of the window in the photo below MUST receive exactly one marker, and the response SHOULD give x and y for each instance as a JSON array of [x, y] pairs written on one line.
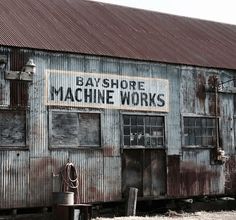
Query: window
[[147, 131], [73, 129], [18, 93], [12, 128], [199, 131]]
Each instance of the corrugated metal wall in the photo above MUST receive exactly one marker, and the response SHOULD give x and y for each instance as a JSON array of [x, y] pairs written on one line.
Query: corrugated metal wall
[[26, 176]]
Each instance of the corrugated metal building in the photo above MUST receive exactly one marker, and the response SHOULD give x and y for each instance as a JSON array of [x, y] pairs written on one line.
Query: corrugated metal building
[[131, 97]]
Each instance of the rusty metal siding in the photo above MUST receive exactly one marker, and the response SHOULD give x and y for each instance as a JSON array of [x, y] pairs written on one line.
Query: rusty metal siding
[[198, 176], [40, 176], [14, 179], [112, 179], [89, 164]]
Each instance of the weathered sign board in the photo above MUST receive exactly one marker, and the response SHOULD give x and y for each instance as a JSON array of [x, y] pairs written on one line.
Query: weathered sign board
[[79, 89]]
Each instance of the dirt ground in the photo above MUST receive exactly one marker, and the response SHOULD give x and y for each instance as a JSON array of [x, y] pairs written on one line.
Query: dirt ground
[[224, 215]]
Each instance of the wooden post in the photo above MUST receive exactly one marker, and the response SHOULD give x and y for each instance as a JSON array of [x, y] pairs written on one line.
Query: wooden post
[[132, 202]]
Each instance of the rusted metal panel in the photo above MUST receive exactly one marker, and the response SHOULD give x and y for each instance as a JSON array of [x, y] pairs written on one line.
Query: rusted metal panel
[[112, 178], [198, 176], [40, 177], [89, 164], [14, 180], [81, 27], [230, 175], [173, 175]]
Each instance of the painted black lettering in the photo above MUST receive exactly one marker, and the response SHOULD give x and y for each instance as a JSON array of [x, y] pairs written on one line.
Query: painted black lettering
[[56, 92], [141, 85], [88, 95], [77, 95], [89, 82], [114, 83], [69, 95], [105, 83], [144, 99], [125, 98], [124, 84], [160, 100], [95, 96], [135, 98], [109, 96], [101, 96], [79, 81], [132, 85], [97, 80], [152, 99]]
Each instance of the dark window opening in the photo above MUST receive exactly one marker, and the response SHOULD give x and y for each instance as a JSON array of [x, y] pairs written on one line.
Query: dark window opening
[[18, 93], [75, 129], [199, 131], [12, 128], [147, 131]]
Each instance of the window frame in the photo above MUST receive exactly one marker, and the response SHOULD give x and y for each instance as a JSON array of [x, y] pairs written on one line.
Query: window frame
[[24, 146], [54, 146], [144, 114], [202, 117]]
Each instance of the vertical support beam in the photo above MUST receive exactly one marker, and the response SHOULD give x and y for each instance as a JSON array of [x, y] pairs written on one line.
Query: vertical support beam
[[132, 202]]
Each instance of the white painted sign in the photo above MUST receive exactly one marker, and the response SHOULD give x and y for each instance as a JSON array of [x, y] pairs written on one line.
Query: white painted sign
[[79, 89]]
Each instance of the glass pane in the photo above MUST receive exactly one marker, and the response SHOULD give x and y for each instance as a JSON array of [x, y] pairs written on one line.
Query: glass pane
[[153, 142], [209, 132], [160, 121], [134, 129], [198, 132], [209, 122], [153, 120], [140, 130], [204, 141], [198, 122], [141, 140], [147, 130], [198, 140], [126, 120], [140, 120], [126, 130], [133, 120], [147, 120], [204, 122], [192, 122], [134, 140], [186, 120], [186, 140], [147, 141], [127, 140], [154, 131], [89, 129], [68, 133], [160, 141]]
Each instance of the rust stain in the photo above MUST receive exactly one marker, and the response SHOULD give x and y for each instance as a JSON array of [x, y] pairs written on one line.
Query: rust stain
[[201, 89], [212, 82], [108, 151], [196, 179], [173, 176], [230, 176]]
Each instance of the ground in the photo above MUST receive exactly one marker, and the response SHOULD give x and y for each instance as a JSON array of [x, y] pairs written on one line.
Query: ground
[[229, 215]]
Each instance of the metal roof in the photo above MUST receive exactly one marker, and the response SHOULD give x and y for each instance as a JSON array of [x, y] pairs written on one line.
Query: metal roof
[[81, 26]]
